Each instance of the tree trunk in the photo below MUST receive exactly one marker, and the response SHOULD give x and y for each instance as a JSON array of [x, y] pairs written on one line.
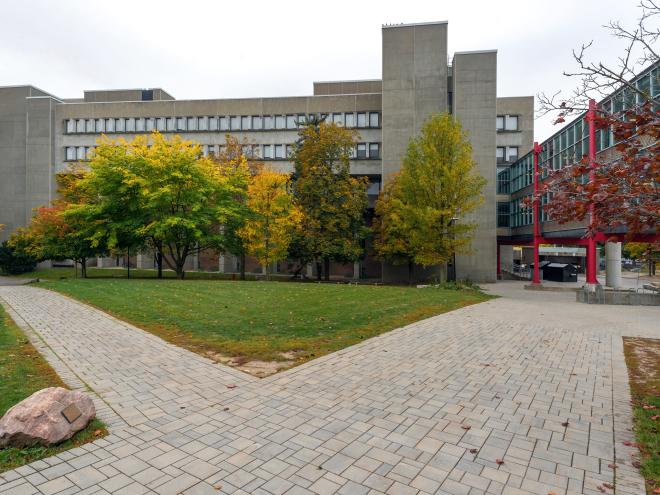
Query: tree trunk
[[326, 269], [242, 262], [180, 272], [267, 267], [411, 270], [159, 263], [83, 268]]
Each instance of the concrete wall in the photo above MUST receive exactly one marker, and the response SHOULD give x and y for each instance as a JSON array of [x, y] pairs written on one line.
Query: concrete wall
[[25, 130], [475, 106], [414, 85], [347, 87]]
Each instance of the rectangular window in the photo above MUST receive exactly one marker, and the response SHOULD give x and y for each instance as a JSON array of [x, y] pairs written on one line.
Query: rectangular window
[[181, 123], [192, 123], [203, 123], [361, 151], [89, 125], [268, 151], [362, 120], [511, 153], [289, 150], [373, 188], [80, 153], [268, 122], [279, 151], [279, 122], [246, 122], [291, 121], [257, 122], [150, 124], [171, 124], [224, 124], [502, 181], [500, 151], [213, 124], [338, 118], [235, 123], [139, 125], [110, 125], [502, 213], [100, 125], [210, 150], [374, 119], [80, 125], [160, 124], [374, 150], [350, 120], [70, 126], [130, 124], [119, 125], [500, 122], [70, 153], [511, 123]]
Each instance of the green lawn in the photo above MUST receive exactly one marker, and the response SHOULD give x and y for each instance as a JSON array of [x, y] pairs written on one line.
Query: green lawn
[[64, 272], [22, 372], [262, 320], [643, 360]]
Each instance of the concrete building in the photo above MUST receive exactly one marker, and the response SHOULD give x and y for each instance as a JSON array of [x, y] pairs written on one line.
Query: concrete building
[[565, 147], [40, 134]]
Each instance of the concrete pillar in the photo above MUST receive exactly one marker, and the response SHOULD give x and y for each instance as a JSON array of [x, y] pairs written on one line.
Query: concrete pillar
[[506, 257], [310, 270], [140, 261], [221, 263], [356, 270], [613, 264], [195, 261]]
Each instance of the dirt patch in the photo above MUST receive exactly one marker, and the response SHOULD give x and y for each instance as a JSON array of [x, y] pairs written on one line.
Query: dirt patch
[[643, 358], [256, 368]]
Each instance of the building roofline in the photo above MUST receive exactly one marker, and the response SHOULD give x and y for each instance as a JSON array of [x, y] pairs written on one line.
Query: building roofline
[[28, 86], [494, 50], [171, 102], [348, 81], [413, 24], [50, 97]]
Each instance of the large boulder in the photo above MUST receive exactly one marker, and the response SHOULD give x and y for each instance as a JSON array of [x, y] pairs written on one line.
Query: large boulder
[[47, 417]]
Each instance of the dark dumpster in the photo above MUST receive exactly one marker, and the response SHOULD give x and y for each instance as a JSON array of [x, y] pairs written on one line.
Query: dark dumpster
[[559, 272]]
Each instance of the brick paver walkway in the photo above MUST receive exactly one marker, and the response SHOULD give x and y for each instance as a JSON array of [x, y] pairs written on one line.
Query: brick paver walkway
[[426, 409]]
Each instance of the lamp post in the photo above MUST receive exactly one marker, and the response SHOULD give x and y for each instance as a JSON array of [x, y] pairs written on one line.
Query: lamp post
[[453, 251]]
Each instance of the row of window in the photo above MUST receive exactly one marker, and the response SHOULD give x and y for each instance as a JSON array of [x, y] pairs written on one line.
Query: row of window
[[362, 151], [506, 122], [514, 214], [216, 123], [571, 144]]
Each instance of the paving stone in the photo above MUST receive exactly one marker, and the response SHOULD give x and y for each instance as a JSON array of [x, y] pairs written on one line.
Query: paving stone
[[384, 416]]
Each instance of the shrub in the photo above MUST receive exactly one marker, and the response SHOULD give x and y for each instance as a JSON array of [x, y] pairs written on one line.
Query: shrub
[[13, 262]]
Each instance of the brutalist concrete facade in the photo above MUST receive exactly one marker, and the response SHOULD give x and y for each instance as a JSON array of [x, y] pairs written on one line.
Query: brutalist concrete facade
[[40, 133]]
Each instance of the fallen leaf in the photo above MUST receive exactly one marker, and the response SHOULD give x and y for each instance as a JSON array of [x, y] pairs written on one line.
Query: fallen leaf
[[474, 451], [466, 427], [565, 425], [499, 461], [231, 386], [612, 466], [98, 433], [608, 485]]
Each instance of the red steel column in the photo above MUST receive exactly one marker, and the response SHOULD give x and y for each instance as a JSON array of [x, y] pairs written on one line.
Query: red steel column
[[535, 213], [591, 240]]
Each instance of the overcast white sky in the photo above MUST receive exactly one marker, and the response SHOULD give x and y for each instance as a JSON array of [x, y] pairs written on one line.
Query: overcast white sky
[[216, 49]]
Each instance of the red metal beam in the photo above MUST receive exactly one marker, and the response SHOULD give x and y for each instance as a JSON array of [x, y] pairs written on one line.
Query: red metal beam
[[591, 244], [537, 229]]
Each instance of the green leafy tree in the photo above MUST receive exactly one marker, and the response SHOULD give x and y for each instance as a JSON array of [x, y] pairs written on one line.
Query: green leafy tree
[[333, 203], [162, 191], [14, 261], [422, 210]]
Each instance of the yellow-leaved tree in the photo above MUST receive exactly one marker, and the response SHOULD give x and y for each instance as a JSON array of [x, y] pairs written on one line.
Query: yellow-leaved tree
[[272, 218], [423, 211]]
